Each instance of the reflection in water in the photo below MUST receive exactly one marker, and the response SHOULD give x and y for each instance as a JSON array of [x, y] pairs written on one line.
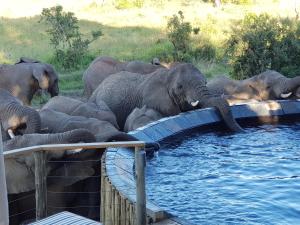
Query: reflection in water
[[249, 178]]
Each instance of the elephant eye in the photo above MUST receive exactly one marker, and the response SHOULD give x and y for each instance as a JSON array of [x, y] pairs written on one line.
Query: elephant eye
[[180, 86]]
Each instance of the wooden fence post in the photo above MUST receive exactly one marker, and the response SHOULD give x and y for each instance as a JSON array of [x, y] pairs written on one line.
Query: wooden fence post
[[140, 210], [40, 158], [4, 218]]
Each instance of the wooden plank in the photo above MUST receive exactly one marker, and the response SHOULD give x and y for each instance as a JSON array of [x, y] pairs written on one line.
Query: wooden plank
[[102, 189], [123, 211], [108, 210], [86, 146], [4, 215], [113, 191], [127, 212], [140, 187], [117, 209], [40, 160]]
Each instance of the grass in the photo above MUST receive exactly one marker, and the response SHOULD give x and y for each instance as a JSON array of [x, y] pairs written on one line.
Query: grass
[[133, 33]]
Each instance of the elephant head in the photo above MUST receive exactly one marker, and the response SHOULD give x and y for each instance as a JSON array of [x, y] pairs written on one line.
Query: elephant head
[[273, 85], [16, 118], [28, 76], [187, 88], [47, 78], [19, 175]]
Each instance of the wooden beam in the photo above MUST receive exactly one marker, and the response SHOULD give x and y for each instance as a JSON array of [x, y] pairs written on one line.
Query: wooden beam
[[140, 210], [85, 146], [40, 159]]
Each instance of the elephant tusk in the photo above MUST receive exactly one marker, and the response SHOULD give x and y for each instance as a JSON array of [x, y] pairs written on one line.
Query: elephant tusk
[[194, 104], [74, 151], [11, 133], [286, 95]]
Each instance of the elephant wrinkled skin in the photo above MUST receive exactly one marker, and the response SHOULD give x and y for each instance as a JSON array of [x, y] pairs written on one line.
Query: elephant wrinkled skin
[[104, 66], [140, 117], [168, 92], [269, 85], [28, 76], [54, 122], [15, 117], [74, 107]]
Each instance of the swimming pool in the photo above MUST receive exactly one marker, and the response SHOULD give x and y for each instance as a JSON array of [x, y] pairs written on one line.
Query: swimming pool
[[217, 178]]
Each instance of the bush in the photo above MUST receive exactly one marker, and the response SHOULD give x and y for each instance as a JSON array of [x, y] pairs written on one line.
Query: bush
[[127, 4], [263, 42], [179, 34], [71, 49]]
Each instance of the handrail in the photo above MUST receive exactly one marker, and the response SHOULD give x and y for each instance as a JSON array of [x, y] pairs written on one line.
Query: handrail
[[60, 147], [40, 159]]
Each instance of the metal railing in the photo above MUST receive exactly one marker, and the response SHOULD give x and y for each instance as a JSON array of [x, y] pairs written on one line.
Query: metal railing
[[40, 158]]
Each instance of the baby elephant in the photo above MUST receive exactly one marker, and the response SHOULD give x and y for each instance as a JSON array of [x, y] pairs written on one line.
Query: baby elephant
[[139, 117], [54, 122], [74, 107]]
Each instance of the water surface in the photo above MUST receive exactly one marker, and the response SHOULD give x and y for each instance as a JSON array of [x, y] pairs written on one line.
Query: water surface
[[248, 178]]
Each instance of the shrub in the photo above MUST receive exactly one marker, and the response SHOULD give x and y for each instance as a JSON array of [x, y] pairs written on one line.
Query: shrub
[[179, 34], [127, 4], [263, 42], [70, 48]]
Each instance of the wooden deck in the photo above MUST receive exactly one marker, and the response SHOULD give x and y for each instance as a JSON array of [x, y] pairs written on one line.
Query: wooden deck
[[66, 218]]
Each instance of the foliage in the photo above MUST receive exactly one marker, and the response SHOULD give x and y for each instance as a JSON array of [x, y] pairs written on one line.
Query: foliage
[[127, 4], [71, 49], [263, 42], [179, 33]]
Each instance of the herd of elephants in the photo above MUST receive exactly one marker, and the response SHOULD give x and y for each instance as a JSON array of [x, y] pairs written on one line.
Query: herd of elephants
[[118, 97]]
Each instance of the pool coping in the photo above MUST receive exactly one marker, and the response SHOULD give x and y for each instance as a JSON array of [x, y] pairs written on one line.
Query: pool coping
[[119, 162]]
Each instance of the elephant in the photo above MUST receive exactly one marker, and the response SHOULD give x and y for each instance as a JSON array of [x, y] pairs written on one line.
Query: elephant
[[19, 169], [76, 107], [54, 122], [102, 67], [140, 117], [16, 118], [26, 77], [269, 85], [167, 91]]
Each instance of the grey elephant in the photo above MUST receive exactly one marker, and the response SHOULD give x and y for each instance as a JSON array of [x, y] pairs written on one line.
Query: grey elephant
[[20, 169], [140, 117], [269, 85], [54, 122], [76, 107], [167, 91], [16, 118], [61, 174], [28, 76], [104, 66]]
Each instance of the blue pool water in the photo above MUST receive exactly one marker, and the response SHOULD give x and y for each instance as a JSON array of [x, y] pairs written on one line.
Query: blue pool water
[[248, 178]]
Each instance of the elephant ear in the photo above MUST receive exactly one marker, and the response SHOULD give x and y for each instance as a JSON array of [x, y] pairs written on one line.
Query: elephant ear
[[40, 74]]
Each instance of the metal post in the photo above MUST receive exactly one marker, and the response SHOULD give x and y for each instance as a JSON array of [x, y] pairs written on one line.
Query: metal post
[[140, 210], [4, 218], [40, 158]]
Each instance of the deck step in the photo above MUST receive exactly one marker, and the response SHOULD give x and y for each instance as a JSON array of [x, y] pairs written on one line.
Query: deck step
[[66, 218]]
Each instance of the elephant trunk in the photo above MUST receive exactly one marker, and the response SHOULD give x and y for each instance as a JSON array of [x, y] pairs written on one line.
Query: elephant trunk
[[293, 83], [121, 136], [32, 120], [20, 119], [73, 136], [225, 111]]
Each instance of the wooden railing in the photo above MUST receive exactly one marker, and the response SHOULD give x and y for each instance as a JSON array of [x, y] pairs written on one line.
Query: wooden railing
[[40, 153]]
